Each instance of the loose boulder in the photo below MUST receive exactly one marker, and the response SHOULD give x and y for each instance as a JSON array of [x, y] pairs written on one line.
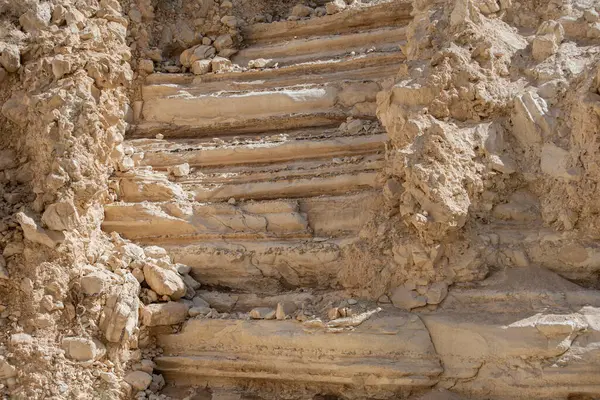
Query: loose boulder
[[164, 281]]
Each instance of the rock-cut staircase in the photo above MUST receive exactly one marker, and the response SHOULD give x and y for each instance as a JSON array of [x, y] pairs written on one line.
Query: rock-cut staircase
[[284, 170], [284, 161]]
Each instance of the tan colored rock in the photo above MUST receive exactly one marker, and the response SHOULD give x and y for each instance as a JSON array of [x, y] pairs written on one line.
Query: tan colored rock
[[170, 313], [37, 234], [138, 274], [221, 64], [139, 380], [489, 6], [3, 270], [6, 369], [230, 21], [549, 36], [406, 299], [95, 283], [181, 169], [60, 67], [333, 313], [554, 161], [38, 17], [146, 66], [201, 67], [163, 281], [261, 63], [436, 293], [155, 252], [262, 313], [83, 349], [285, 309], [335, 6], [223, 42], [61, 216], [75, 17], [198, 52], [300, 10], [119, 316], [10, 57], [145, 365]]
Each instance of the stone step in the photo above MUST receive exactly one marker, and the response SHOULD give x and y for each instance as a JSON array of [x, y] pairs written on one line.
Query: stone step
[[288, 188], [367, 66], [304, 178], [261, 266], [295, 51], [227, 111], [530, 318], [189, 221], [523, 333], [385, 354], [281, 148], [352, 20], [205, 221], [276, 123]]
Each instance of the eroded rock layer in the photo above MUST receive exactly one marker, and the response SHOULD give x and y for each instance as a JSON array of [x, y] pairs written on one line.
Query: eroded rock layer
[[244, 199]]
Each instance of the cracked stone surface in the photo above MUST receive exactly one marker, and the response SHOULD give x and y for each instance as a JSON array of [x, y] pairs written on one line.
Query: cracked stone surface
[[247, 199]]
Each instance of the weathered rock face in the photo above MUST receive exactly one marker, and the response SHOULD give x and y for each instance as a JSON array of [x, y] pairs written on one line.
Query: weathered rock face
[[63, 91], [352, 199]]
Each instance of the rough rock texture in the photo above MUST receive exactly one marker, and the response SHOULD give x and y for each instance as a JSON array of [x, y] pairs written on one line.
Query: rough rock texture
[[289, 200]]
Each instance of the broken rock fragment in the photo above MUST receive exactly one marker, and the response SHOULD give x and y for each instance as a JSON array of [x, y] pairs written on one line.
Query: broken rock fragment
[[95, 282], [199, 52], [260, 63], [10, 57], [285, 309], [223, 42], [38, 17], [201, 67], [37, 234], [164, 281], [170, 313], [262, 313], [83, 349], [550, 35], [61, 216], [407, 299], [335, 6], [436, 293], [180, 170], [6, 370], [300, 10], [119, 317], [221, 64], [139, 380]]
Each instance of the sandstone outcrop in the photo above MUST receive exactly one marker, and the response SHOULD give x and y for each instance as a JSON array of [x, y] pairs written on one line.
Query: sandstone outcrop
[[299, 200]]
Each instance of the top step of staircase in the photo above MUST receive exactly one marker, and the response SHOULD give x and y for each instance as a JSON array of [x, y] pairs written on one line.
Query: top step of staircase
[[353, 20]]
